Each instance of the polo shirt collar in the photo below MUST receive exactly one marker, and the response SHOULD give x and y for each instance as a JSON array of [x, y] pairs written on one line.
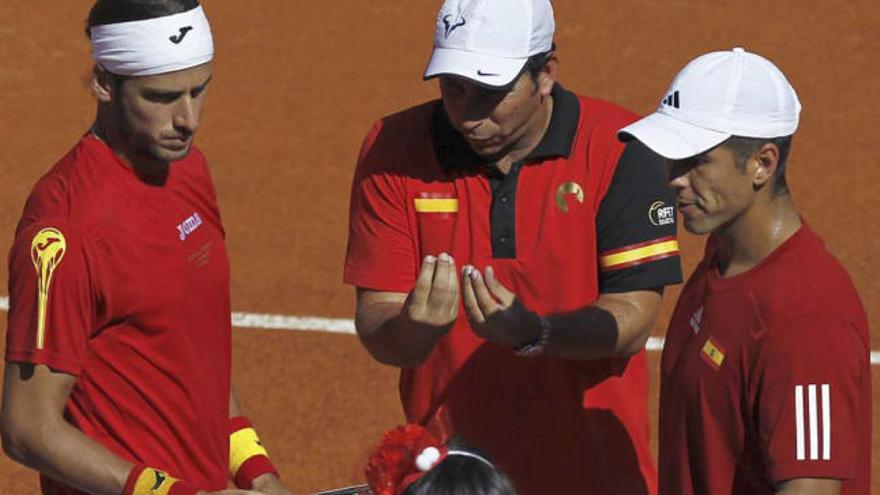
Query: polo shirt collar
[[453, 152]]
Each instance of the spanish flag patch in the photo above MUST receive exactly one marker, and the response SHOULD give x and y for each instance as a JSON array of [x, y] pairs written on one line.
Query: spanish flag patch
[[636, 254], [713, 353]]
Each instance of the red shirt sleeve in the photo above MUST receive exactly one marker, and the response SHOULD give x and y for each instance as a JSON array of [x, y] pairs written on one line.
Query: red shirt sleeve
[[810, 390], [381, 251], [51, 302]]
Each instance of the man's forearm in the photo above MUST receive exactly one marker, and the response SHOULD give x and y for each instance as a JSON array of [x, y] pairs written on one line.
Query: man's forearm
[[809, 486], [391, 337], [64, 453], [615, 326]]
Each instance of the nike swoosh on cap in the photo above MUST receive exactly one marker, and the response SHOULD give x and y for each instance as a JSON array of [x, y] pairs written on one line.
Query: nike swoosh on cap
[[481, 73]]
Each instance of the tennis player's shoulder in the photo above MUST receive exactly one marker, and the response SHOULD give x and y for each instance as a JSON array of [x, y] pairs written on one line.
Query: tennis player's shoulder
[[412, 120], [52, 193], [394, 140], [813, 290]]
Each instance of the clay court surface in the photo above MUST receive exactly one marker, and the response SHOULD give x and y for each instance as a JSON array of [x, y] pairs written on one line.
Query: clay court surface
[[297, 84]]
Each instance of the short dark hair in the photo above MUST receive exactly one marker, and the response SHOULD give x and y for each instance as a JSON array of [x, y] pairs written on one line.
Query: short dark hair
[[536, 62], [462, 475], [743, 148], [114, 11]]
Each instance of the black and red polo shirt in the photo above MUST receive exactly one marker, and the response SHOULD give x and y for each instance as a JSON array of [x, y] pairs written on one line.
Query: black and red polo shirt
[[581, 215]]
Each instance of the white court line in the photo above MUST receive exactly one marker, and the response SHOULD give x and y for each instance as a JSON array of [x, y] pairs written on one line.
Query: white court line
[[655, 343], [284, 322], [339, 325]]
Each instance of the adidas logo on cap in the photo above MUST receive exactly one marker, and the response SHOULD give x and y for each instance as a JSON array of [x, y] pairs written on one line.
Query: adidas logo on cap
[[671, 100]]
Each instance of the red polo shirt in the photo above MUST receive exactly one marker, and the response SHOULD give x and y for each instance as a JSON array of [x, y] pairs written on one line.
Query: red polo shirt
[[125, 285], [577, 217], [765, 377]]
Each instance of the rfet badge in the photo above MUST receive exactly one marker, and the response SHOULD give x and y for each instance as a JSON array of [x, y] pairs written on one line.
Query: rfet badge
[[660, 214], [47, 250]]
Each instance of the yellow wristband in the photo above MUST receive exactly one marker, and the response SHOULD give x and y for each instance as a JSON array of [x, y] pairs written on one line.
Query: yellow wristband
[[155, 482], [244, 444]]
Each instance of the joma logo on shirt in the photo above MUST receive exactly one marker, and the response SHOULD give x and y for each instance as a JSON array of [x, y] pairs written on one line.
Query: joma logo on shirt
[[47, 250], [189, 226]]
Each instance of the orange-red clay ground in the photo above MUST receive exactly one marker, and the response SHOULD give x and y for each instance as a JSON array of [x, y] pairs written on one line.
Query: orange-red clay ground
[[298, 84]]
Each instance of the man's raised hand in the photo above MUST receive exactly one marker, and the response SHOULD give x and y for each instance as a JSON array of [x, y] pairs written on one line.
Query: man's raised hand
[[433, 302]]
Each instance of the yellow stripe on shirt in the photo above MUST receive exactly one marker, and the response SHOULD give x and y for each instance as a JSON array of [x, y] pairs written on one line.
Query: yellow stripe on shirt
[[436, 205], [639, 254]]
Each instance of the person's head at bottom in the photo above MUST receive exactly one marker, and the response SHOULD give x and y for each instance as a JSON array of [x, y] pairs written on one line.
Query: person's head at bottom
[[725, 127], [411, 461], [152, 67]]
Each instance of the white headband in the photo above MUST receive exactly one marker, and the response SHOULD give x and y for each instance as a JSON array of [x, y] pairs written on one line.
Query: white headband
[[430, 456], [465, 453], [154, 46]]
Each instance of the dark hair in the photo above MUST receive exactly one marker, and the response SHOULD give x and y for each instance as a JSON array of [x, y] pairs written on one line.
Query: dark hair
[[114, 11], [744, 148], [462, 475], [536, 62]]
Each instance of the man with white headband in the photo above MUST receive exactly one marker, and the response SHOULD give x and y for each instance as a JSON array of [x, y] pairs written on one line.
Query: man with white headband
[[765, 375], [510, 254], [118, 354]]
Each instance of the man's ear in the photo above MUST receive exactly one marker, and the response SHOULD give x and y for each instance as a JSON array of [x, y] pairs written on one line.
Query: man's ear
[[547, 77], [102, 85], [765, 162]]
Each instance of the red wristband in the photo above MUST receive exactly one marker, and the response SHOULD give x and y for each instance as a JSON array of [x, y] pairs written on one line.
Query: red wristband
[[132, 479], [143, 480], [252, 468], [247, 457]]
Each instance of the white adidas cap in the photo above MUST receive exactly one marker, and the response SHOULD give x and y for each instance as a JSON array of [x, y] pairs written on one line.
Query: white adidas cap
[[489, 41], [716, 96]]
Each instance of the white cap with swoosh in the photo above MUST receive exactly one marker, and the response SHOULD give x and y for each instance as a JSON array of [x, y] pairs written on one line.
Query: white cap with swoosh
[[489, 41]]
